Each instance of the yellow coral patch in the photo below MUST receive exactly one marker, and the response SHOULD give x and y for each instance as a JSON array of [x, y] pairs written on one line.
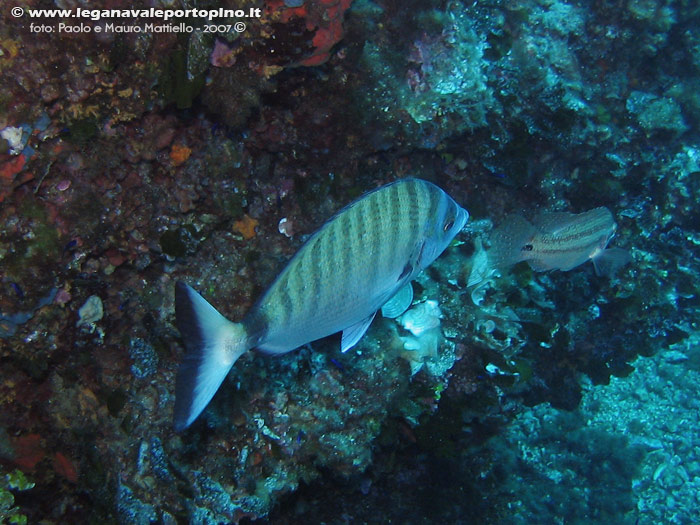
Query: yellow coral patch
[[269, 71], [79, 111], [9, 49]]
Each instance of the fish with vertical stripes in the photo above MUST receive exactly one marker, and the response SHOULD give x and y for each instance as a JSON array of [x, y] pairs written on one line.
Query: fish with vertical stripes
[[359, 262]]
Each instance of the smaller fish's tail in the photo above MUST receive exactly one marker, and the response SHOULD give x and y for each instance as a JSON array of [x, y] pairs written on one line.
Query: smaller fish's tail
[[510, 242], [609, 261], [213, 345]]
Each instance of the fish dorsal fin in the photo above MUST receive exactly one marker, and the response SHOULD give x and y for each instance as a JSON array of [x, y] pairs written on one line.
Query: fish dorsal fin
[[556, 223], [553, 222], [352, 334], [398, 304]]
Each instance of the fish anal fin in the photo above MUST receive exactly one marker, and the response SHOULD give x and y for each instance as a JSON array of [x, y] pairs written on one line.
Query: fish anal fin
[[398, 304], [352, 334], [538, 265]]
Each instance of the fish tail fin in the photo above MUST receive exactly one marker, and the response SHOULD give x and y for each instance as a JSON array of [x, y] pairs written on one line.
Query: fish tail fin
[[509, 241], [213, 345], [609, 261]]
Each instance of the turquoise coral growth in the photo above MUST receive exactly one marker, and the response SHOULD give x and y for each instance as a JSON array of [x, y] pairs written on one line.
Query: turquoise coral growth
[[447, 73]]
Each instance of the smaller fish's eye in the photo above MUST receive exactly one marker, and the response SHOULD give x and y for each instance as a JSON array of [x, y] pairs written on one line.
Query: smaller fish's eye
[[448, 225], [527, 248]]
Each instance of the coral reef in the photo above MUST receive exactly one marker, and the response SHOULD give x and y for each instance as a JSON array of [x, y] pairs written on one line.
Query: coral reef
[[131, 160]]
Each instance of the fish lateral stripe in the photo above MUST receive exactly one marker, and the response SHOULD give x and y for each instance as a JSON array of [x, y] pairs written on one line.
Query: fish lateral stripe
[[414, 204], [372, 210], [562, 250], [434, 206], [286, 304], [387, 211], [330, 247], [592, 234], [422, 197], [415, 210], [400, 234], [587, 224], [356, 229], [317, 262]]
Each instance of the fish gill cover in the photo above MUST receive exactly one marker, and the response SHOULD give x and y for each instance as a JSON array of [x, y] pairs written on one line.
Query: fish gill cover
[[138, 152]]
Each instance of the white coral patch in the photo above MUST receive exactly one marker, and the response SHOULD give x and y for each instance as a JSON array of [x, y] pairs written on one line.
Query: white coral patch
[[90, 312], [13, 136], [422, 317], [423, 321]]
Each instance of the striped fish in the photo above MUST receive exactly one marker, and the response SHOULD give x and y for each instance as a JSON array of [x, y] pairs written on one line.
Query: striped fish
[[362, 260], [558, 241]]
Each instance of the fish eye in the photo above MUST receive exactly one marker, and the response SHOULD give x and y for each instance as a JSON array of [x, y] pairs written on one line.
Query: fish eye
[[527, 248], [448, 225]]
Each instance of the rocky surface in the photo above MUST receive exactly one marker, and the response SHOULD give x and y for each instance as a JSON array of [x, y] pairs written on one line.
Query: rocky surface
[[131, 160]]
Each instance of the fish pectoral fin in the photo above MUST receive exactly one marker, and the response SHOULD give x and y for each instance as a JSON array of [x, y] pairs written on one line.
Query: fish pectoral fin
[[352, 334], [407, 270], [398, 304]]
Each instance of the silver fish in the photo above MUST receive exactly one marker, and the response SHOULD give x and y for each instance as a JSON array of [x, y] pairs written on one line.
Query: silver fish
[[558, 241], [362, 260]]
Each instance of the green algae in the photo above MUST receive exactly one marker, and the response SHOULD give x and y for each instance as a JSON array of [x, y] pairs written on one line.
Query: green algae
[[12, 481], [83, 131], [179, 242], [115, 399], [499, 43], [23, 255], [235, 93], [175, 85], [231, 204], [523, 367], [18, 481]]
